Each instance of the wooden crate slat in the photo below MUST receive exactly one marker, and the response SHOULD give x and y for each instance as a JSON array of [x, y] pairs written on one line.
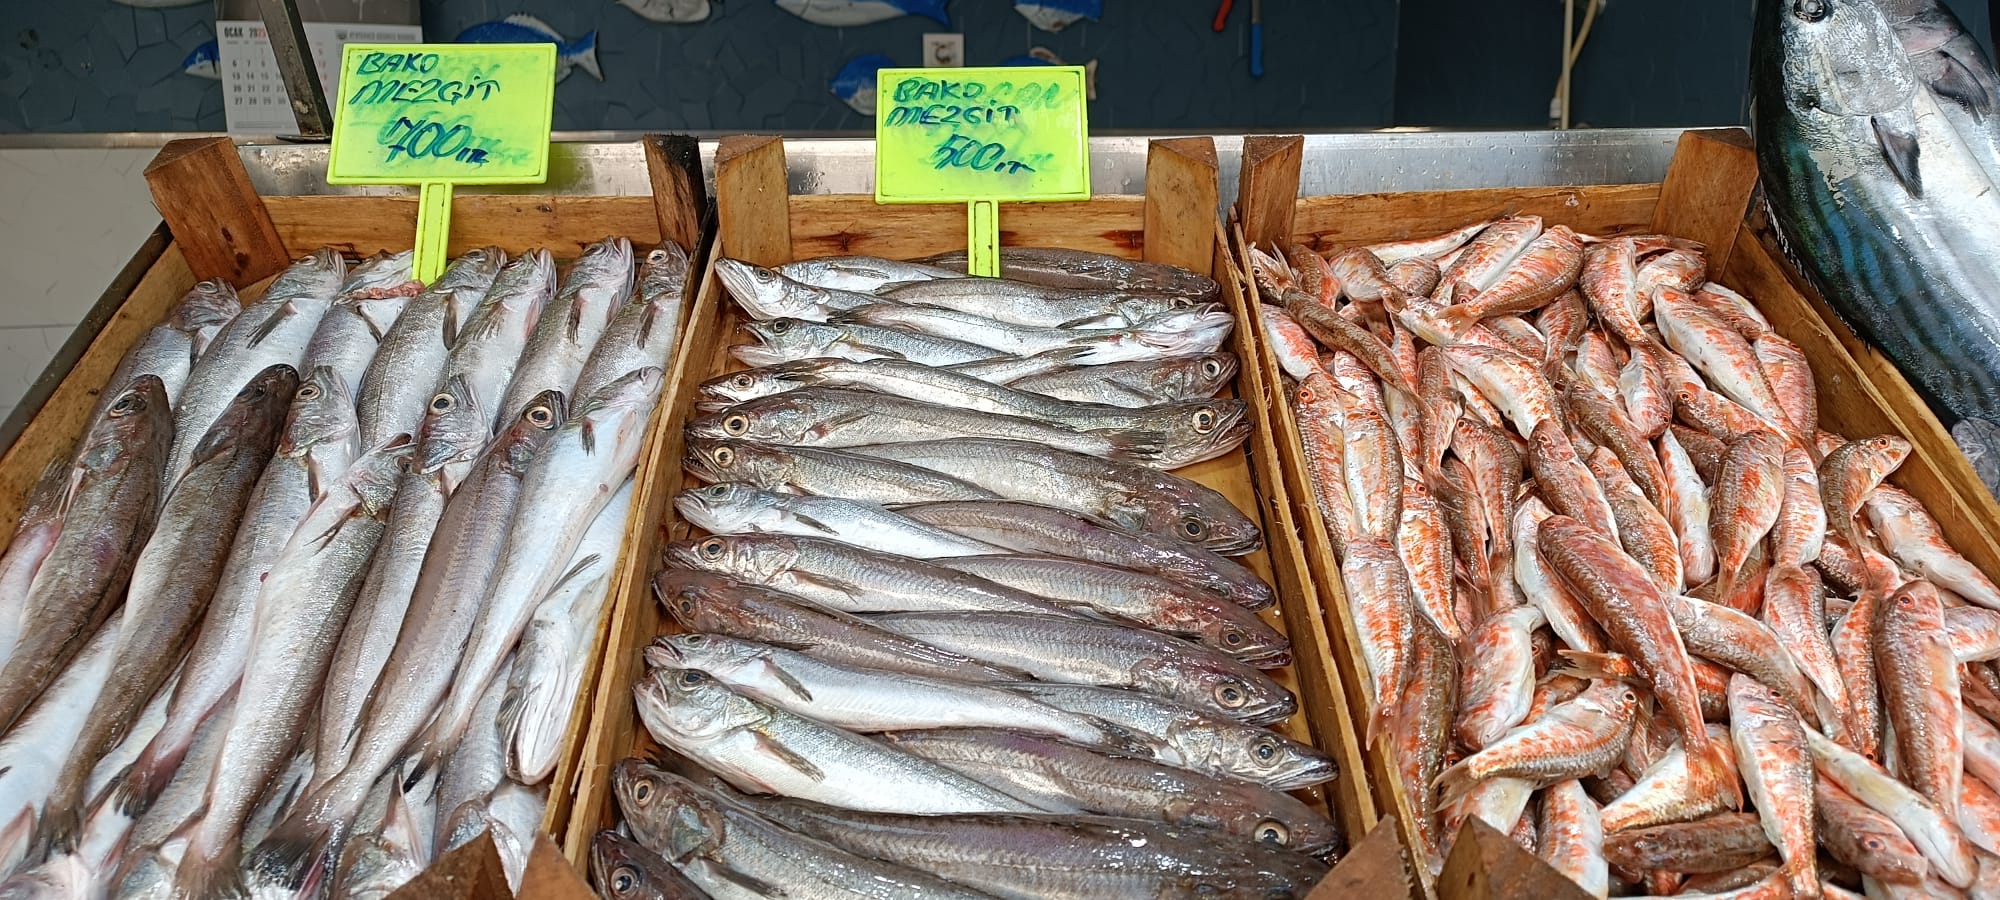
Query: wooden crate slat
[[1707, 191], [1268, 191], [204, 194], [1182, 185], [512, 222]]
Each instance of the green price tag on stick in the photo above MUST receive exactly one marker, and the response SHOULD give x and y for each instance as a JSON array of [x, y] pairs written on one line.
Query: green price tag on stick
[[436, 115], [981, 136]]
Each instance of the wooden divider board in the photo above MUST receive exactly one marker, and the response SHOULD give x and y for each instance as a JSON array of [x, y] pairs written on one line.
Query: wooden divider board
[[1855, 399], [818, 225]]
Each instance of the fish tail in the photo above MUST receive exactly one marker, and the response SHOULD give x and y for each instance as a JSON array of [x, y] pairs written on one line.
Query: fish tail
[[60, 830], [1602, 666], [1709, 775], [584, 54], [1456, 318], [210, 878], [298, 855]]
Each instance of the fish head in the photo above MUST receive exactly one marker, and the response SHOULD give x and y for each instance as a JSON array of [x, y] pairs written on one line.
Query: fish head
[[705, 652], [257, 411], [1200, 375], [782, 419], [624, 870], [763, 381], [1280, 761], [472, 272], [525, 284], [205, 308], [141, 413], [1838, 57], [718, 459], [317, 274], [1236, 691], [383, 275], [531, 431], [787, 339], [1202, 429], [767, 293], [726, 507], [599, 281], [667, 808], [454, 428], [757, 559], [322, 412], [615, 416], [693, 705], [699, 600], [1137, 308], [665, 270]]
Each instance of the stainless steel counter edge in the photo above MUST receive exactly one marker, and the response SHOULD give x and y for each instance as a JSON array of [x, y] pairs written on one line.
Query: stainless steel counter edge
[[1334, 163]]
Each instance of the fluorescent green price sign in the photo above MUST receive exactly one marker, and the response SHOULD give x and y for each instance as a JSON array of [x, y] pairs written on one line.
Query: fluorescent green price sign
[[981, 136], [436, 115]]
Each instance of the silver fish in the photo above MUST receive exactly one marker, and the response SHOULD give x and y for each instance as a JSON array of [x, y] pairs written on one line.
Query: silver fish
[[1191, 739], [834, 473], [1201, 329], [274, 330], [38, 746], [789, 340], [113, 501], [405, 371], [1134, 497], [1143, 382], [163, 352], [472, 771], [1079, 651], [864, 700], [1029, 528], [849, 578], [863, 274], [598, 284], [34, 536], [770, 294], [756, 746], [730, 508], [543, 685], [701, 601], [1025, 303], [385, 857], [299, 616], [489, 347], [642, 332], [203, 311], [173, 581], [829, 417], [1084, 270]]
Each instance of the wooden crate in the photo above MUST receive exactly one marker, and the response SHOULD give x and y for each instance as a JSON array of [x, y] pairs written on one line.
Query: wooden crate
[[218, 227], [1174, 222], [1706, 196]]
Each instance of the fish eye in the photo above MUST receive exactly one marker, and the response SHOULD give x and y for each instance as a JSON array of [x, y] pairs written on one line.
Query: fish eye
[[307, 392], [1211, 368], [692, 678], [405, 465], [541, 416], [742, 381], [442, 403], [1628, 697], [723, 456], [126, 404], [736, 424], [1204, 420], [1230, 695], [643, 791], [1232, 638], [694, 640], [719, 491], [687, 604], [623, 880], [1811, 10], [711, 548], [1265, 750], [1306, 396], [1194, 527], [1873, 844], [1272, 831], [780, 326], [1181, 303]]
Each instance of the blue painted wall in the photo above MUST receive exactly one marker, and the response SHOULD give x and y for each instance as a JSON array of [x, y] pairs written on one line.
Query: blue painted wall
[[92, 65]]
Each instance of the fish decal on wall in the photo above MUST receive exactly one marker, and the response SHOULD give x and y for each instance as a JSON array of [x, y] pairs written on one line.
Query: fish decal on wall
[[854, 84], [204, 62], [522, 28], [673, 12], [1056, 15], [1043, 56], [842, 13]]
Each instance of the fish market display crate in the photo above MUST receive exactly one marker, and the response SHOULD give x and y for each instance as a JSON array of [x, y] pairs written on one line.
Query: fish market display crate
[[218, 227], [1706, 196], [761, 223]]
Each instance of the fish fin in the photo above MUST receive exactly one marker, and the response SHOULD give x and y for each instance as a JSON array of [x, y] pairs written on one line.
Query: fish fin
[[1958, 82], [1899, 148], [749, 883], [838, 421], [1602, 666], [211, 879], [789, 756], [647, 319], [1104, 321], [448, 329], [589, 436], [1134, 445], [1453, 783], [298, 854], [884, 352], [790, 681], [62, 823], [815, 524], [584, 54], [827, 582], [269, 325]]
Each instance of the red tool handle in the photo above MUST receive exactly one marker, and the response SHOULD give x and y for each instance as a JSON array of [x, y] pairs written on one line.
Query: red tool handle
[[1222, 14]]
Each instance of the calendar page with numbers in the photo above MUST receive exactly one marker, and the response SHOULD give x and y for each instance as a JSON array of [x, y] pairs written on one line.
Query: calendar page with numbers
[[253, 93]]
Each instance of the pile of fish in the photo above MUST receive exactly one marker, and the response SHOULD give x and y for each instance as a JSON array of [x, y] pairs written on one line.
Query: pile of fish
[[1618, 593], [955, 630], [272, 627]]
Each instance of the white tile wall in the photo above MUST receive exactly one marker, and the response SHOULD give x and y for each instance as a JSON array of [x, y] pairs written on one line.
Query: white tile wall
[[69, 219]]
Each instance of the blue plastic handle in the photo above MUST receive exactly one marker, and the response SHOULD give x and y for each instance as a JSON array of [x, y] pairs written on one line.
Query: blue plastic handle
[[1257, 50]]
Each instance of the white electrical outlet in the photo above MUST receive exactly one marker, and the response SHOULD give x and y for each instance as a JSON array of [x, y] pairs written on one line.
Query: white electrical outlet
[[944, 50]]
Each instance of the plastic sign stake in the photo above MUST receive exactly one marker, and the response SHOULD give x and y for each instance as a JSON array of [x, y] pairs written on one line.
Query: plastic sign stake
[[981, 136], [436, 115]]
